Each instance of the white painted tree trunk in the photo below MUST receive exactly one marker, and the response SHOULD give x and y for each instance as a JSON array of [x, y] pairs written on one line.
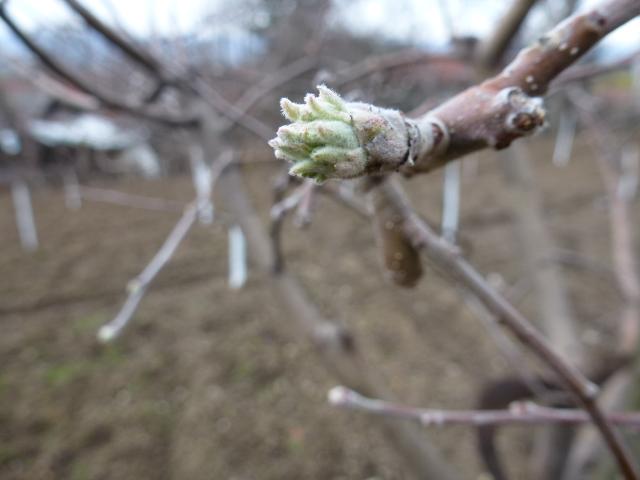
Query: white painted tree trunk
[[237, 258], [451, 201], [201, 174], [24, 216]]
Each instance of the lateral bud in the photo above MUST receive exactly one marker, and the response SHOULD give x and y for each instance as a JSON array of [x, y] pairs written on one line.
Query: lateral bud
[[399, 257]]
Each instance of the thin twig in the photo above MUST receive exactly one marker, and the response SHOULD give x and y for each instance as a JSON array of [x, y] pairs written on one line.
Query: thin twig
[[138, 286], [278, 213], [519, 413]]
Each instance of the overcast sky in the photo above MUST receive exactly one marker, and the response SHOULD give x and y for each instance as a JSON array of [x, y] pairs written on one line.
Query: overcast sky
[[415, 20]]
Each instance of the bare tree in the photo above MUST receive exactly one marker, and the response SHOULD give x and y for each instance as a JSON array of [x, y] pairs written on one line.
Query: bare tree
[[330, 138]]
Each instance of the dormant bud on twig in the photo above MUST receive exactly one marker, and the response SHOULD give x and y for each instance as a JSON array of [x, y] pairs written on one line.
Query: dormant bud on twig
[[331, 138]]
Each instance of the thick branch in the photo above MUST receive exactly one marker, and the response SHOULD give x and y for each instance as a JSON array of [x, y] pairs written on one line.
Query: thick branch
[[491, 114], [536, 66], [482, 117]]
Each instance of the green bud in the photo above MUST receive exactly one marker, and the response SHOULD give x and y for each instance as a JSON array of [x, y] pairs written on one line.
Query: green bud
[[290, 110], [330, 138], [331, 97], [291, 154], [330, 155], [313, 170]]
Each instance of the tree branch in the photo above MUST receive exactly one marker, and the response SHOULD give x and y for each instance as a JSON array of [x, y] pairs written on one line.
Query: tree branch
[[509, 317], [137, 287], [618, 389], [519, 413], [491, 114], [65, 74], [142, 58]]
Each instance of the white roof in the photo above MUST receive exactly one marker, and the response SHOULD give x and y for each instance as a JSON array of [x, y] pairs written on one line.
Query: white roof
[[87, 130]]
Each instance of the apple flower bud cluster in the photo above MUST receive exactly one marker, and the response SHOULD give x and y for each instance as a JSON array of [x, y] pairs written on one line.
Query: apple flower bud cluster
[[332, 138]]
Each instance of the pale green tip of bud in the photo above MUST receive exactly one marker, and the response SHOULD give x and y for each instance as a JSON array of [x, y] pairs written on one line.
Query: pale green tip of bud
[[290, 110], [321, 141]]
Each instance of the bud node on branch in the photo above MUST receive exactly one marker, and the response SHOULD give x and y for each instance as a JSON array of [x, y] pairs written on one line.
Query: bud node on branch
[[525, 116], [428, 136]]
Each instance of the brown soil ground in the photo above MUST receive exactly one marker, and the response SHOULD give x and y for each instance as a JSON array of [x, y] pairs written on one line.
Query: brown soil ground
[[209, 383]]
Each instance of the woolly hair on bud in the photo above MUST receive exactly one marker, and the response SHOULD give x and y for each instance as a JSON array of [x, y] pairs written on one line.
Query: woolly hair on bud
[[331, 138]]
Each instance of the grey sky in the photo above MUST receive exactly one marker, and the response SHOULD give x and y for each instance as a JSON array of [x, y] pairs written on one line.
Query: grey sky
[[414, 20]]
